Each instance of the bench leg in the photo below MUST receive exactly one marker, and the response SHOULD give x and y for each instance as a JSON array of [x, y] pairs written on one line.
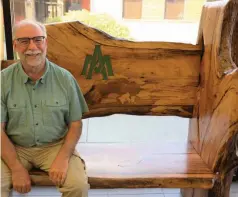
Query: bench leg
[[194, 192], [222, 186]]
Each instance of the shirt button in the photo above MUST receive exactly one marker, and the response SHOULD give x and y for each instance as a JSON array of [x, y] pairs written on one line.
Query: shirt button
[[36, 124], [35, 106], [14, 105], [33, 88]]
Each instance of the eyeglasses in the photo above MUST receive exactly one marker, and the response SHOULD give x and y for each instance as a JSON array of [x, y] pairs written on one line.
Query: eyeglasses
[[38, 40]]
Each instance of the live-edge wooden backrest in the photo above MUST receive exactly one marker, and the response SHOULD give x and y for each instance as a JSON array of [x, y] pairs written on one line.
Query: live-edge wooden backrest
[[120, 76]]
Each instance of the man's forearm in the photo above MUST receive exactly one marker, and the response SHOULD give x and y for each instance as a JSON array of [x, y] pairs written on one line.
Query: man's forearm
[[71, 140], [8, 153]]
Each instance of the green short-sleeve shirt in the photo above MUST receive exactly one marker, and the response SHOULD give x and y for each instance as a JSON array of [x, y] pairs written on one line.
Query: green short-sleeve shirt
[[39, 113]]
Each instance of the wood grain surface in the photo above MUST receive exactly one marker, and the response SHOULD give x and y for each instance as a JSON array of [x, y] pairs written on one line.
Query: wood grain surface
[[173, 165], [214, 126], [149, 78]]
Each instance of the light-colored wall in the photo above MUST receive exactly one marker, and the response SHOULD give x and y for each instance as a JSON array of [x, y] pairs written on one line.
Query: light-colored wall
[[166, 31], [153, 9], [1, 33], [30, 10], [60, 8], [193, 9], [112, 7]]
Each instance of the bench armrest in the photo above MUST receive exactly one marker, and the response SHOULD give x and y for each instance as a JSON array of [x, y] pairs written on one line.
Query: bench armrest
[[214, 126]]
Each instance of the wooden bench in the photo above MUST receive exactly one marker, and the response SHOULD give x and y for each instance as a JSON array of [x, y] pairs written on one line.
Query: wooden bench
[[199, 82], [136, 165]]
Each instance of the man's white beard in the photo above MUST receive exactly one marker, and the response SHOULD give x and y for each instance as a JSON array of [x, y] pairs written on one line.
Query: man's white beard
[[34, 61]]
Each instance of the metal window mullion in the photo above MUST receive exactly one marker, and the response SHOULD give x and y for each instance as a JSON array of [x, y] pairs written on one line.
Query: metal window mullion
[[8, 28]]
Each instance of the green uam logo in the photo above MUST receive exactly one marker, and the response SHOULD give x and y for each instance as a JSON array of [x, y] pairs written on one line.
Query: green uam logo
[[97, 63]]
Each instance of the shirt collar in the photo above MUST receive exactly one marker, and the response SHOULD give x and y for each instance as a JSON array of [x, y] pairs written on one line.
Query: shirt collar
[[25, 77], [42, 80]]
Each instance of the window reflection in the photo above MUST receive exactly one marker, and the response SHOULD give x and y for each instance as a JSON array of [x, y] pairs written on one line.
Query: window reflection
[[41, 10], [160, 20]]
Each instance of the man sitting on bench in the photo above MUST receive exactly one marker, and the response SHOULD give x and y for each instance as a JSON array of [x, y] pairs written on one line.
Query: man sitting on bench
[[41, 111]]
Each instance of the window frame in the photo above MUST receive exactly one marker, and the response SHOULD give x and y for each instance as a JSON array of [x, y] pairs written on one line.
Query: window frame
[[8, 29]]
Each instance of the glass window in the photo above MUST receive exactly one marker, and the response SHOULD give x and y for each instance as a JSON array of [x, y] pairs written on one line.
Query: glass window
[[19, 10], [159, 19], [189, 10], [45, 10], [2, 35]]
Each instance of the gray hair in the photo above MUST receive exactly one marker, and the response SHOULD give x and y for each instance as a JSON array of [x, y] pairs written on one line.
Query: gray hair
[[28, 22]]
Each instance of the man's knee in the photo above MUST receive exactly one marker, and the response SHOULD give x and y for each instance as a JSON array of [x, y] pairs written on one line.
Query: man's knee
[[5, 183], [5, 187], [76, 183], [79, 186], [75, 187]]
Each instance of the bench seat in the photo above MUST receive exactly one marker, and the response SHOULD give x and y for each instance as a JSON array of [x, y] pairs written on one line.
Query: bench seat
[[141, 165]]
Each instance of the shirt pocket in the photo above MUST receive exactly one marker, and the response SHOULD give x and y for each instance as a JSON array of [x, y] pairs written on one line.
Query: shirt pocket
[[54, 112], [16, 112]]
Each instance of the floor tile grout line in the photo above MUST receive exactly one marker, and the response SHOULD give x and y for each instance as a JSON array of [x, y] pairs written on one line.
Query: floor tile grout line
[[55, 193]]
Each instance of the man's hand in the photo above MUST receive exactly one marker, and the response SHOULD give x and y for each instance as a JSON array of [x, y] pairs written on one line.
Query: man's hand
[[58, 171], [20, 177], [21, 180]]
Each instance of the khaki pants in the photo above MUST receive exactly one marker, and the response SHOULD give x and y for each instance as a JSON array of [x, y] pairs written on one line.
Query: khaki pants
[[76, 183]]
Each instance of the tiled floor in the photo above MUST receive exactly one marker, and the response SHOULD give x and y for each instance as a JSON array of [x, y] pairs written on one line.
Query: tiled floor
[[52, 192], [125, 128]]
